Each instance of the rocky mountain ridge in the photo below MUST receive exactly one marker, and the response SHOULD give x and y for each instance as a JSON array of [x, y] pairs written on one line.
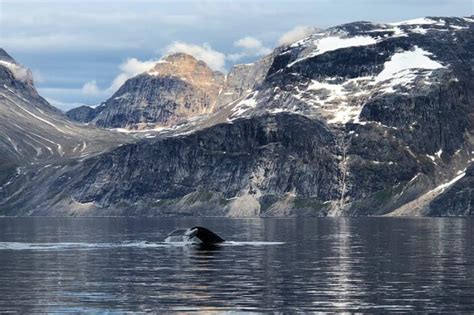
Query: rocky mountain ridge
[[360, 119], [178, 88]]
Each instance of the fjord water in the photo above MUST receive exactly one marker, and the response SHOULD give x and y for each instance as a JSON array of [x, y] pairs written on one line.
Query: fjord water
[[120, 264]]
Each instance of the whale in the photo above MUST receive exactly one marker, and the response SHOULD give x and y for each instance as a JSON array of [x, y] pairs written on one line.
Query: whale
[[195, 235]]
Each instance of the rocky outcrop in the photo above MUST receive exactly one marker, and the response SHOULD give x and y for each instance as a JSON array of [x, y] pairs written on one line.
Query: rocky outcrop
[[458, 199], [83, 114]]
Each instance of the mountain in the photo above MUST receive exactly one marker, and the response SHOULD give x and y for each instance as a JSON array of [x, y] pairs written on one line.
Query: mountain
[[359, 119], [36, 136], [83, 114], [178, 88]]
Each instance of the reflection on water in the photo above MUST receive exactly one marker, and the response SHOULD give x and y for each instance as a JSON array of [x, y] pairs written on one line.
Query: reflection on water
[[121, 264]]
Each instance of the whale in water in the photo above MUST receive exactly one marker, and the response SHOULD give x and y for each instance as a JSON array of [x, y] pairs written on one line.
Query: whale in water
[[196, 235]]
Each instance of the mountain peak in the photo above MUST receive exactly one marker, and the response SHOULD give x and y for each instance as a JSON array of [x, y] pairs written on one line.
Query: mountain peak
[[186, 68], [4, 56], [179, 56]]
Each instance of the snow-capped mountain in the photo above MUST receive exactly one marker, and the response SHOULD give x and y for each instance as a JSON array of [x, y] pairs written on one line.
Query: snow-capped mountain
[[333, 73], [358, 119]]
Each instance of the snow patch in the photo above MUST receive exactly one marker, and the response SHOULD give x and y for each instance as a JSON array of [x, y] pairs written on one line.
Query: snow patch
[[442, 187], [125, 130], [327, 44], [244, 105], [123, 96], [414, 59], [419, 30], [345, 113], [333, 43], [398, 32], [419, 21], [414, 178], [456, 27]]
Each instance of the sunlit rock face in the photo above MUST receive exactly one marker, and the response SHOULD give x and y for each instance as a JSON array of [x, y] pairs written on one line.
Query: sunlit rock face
[[176, 88]]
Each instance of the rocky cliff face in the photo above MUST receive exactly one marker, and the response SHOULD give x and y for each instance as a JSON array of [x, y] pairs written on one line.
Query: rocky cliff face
[[207, 173], [243, 78], [360, 119]]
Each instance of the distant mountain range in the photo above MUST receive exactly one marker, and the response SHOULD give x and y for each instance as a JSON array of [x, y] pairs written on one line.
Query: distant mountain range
[[356, 120]]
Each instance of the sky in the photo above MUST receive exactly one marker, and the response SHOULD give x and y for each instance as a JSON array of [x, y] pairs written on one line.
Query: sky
[[81, 51]]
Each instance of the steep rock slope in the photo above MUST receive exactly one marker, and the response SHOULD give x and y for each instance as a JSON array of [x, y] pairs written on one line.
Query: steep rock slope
[[205, 173], [243, 78], [34, 135]]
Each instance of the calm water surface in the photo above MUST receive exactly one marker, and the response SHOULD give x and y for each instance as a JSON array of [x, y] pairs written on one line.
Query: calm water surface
[[120, 265]]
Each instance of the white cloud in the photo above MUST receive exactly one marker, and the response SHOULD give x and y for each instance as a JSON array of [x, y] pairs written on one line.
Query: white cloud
[[130, 68], [90, 88], [53, 42], [252, 47], [213, 58], [38, 77], [18, 71], [133, 66], [295, 34], [250, 43]]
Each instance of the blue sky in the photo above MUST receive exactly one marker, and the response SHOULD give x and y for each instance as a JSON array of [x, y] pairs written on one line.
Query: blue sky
[[80, 51]]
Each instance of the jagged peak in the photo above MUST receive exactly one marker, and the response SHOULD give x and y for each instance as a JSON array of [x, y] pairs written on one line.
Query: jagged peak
[[4, 56]]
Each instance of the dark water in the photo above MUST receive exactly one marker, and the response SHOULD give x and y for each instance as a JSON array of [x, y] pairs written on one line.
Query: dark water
[[117, 265]]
